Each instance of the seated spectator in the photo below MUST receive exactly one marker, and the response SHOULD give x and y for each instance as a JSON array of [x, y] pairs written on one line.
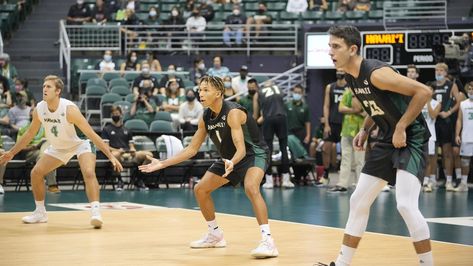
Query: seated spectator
[[112, 5], [164, 82], [240, 82], [145, 83], [346, 5], [234, 27], [206, 10], [363, 5], [132, 4], [218, 70], [106, 64], [154, 64], [143, 108], [260, 19], [2, 169], [296, 6], [131, 63], [19, 115], [177, 21], [173, 101], [79, 13], [188, 7], [122, 146], [6, 98], [153, 16], [318, 5], [101, 13], [190, 112], [22, 85], [130, 20], [7, 69], [195, 25], [198, 70], [229, 91]]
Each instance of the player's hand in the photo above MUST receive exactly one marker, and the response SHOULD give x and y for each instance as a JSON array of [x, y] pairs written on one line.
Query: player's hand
[[399, 138], [444, 114], [327, 131], [359, 140], [307, 139], [117, 166], [7, 156], [260, 120], [154, 165], [458, 140], [228, 167]]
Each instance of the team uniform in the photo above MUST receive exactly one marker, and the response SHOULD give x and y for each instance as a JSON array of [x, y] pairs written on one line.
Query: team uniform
[[257, 153], [444, 127], [335, 117], [466, 148], [62, 135], [386, 108], [430, 125]]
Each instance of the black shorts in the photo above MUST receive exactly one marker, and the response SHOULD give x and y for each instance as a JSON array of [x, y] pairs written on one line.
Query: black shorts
[[444, 130], [336, 130], [240, 169], [383, 160]]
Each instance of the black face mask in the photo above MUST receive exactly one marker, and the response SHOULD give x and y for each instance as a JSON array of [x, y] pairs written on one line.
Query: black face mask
[[340, 76], [116, 118], [190, 98], [251, 92], [195, 14]]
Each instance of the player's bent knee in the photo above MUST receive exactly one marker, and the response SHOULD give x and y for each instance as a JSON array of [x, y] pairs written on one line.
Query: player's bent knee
[[89, 174], [252, 191]]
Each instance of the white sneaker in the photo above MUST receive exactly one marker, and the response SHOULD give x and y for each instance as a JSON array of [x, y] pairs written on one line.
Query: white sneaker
[[266, 249], [286, 181], [449, 186], [96, 219], [427, 187], [269, 182], [386, 188], [38, 216], [209, 241], [462, 187], [2, 191]]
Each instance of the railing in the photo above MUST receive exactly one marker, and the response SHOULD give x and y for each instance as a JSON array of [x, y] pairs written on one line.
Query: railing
[[1, 43], [419, 14], [65, 53]]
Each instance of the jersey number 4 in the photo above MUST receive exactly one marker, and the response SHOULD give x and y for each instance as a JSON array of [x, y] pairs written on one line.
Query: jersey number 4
[[374, 108], [54, 131]]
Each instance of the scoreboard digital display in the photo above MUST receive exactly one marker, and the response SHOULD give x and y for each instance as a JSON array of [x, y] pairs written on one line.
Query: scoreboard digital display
[[401, 48]]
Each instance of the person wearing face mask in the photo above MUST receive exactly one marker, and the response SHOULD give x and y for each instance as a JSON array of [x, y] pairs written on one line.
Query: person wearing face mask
[[7, 70], [206, 10], [22, 85], [298, 116], [190, 112], [195, 25], [174, 27], [122, 147], [154, 64], [131, 63], [19, 115], [153, 17], [107, 63], [229, 91], [198, 70], [240, 82], [101, 12], [247, 100], [463, 137], [143, 107], [151, 84], [234, 27], [445, 92], [79, 13], [218, 70], [172, 101], [171, 74], [6, 97], [255, 24]]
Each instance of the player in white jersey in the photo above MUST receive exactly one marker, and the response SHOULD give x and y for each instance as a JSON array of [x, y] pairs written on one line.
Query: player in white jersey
[[430, 113], [465, 127], [59, 116]]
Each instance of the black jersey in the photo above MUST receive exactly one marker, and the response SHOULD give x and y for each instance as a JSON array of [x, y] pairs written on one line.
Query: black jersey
[[443, 93], [336, 92], [221, 135], [385, 107], [271, 101]]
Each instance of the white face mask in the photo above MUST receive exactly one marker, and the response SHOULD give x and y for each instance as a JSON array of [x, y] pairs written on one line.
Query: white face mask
[[107, 58], [80, 2], [201, 66], [236, 12], [470, 96], [133, 59], [174, 13], [152, 13]]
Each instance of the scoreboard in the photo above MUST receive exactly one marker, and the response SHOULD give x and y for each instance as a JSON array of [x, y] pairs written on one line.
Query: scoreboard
[[401, 48]]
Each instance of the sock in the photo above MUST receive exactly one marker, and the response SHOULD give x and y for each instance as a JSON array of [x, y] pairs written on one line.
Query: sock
[[432, 178], [213, 227], [345, 256], [265, 231], [40, 205], [269, 179], [449, 179], [464, 179], [426, 180], [95, 206], [426, 259], [458, 173]]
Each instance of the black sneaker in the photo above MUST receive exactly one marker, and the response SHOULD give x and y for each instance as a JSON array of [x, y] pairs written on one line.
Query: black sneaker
[[119, 186], [140, 185], [337, 189]]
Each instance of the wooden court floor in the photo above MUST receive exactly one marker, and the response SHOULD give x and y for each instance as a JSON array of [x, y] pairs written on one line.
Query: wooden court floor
[[162, 236]]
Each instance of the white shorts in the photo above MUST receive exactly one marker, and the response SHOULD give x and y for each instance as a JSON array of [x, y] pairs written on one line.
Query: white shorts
[[466, 149], [431, 147], [65, 155]]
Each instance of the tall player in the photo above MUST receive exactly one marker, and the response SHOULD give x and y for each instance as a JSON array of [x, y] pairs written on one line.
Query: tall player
[[394, 103], [58, 117], [244, 155]]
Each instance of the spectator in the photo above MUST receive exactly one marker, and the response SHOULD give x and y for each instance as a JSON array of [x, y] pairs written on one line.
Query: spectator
[[145, 83], [143, 107], [112, 5], [132, 4], [101, 13], [247, 100], [155, 65], [363, 5], [260, 19], [121, 145], [19, 114], [172, 101], [412, 72], [22, 85], [106, 64], [240, 83], [7, 69], [298, 116], [318, 5], [2, 169], [229, 91], [164, 82], [131, 63], [6, 98], [197, 71], [346, 5], [195, 26], [153, 17], [296, 6], [234, 27], [188, 7], [130, 20], [174, 27], [218, 70], [79, 13], [190, 112], [206, 10]]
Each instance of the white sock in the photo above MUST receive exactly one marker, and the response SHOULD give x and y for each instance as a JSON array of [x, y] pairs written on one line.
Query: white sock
[[345, 256], [426, 180], [458, 172], [432, 178], [265, 231], [464, 179], [269, 179], [213, 227], [95, 205], [449, 179], [426, 259], [40, 205]]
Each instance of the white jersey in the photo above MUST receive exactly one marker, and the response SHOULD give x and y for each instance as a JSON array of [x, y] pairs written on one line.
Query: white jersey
[[467, 124], [429, 120], [59, 132]]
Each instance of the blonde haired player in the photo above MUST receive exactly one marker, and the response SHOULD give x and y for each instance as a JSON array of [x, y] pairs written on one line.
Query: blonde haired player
[[58, 117], [465, 127]]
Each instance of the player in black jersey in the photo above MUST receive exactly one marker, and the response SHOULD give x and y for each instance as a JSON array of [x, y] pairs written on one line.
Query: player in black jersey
[[394, 104], [244, 155]]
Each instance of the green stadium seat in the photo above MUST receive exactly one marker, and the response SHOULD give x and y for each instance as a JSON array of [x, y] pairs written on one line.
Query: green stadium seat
[[276, 6], [123, 91], [375, 14], [118, 82], [355, 15], [313, 15], [284, 15], [162, 115], [161, 126], [333, 15], [136, 125]]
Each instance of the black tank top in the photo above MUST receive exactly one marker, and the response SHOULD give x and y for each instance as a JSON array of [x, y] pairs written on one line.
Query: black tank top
[[442, 93], [385, 107], [336, 92], [221, 135]]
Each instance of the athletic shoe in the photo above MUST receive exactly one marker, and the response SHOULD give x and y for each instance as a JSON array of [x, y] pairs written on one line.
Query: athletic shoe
[[140, 185], [462, 187], [269, 182], [449, 186], [266, 249], [386, 188], [96, 219], [2, 191], [54, 189], [38, 216], [323, 182], [119, 186], [286, 181], [209, 241], [337, 189], [427, 188]]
